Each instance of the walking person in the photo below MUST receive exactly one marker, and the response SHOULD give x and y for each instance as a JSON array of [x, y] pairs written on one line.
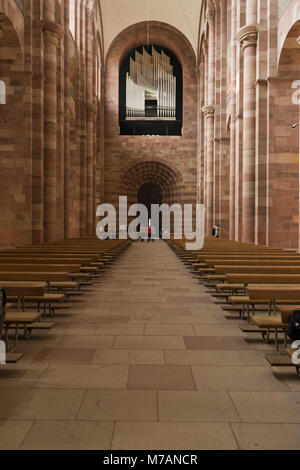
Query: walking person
[[216, 231]]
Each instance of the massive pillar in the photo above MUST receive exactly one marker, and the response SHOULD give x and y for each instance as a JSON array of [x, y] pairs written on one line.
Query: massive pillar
[[52, 35], [209, 112], [248, 38], [232, 121], [67, 110], [90, 118], [83, 121]]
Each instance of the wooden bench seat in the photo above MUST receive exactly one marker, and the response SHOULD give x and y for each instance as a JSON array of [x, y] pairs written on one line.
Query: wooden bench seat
[[47, 300], [227, 286], [64, 285], [271, 323], [286, 311], [248, 278], [216, 277], [33, 276], [16, 320], [253, 262], [245, 299], [55, 268], [257, 269]]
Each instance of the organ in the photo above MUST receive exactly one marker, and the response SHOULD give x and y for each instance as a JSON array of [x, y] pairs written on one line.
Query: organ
[[150, 86]]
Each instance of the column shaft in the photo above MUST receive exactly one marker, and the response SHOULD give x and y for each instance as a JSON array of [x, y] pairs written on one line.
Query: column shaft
[[52, 33]]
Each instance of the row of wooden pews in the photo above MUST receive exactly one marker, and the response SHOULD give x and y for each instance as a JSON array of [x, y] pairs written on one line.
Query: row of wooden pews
[[245, 279], [41, 278]]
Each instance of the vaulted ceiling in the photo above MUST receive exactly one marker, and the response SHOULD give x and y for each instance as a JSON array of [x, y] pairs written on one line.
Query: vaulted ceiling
[[118, 15]]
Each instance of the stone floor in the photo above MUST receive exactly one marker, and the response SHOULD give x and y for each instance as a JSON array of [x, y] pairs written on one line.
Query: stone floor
[[146, 360]]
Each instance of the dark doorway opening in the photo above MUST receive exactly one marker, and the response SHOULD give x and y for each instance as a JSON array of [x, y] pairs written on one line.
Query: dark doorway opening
[[149, 194]]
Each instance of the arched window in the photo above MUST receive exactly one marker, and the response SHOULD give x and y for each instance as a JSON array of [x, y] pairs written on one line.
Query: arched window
[[2, 92], [150, 92]]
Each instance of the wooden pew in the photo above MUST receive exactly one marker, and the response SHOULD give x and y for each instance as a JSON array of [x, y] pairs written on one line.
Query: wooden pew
[[33, 276], [253, 262], [55, 268], [240, 281], [281, 269], [16, 320], [274, 293]]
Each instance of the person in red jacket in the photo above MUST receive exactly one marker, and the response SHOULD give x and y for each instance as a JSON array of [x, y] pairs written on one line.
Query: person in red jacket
[[149, 233]]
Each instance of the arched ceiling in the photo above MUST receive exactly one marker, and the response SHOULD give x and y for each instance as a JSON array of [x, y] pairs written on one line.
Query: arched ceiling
[[118, 15]]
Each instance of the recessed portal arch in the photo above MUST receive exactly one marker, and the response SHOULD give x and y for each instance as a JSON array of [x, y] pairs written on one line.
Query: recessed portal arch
[[151, 175]]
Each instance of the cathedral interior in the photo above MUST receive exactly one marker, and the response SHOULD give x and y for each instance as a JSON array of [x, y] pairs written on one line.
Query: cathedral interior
[[118, 343]]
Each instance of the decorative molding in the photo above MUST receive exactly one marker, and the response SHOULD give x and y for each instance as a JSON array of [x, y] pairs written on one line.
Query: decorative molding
[[210, 12], [247, 36], [210, 16], [261, 81], [52, 33], [208, 111], [51, 38]]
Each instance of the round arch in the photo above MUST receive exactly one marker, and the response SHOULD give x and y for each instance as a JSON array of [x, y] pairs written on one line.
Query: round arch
[[131, 38], [288, 63], [13, 29], [153, 172]]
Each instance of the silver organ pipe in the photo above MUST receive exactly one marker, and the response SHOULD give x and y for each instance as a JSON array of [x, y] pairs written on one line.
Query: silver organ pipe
[[151, 79]]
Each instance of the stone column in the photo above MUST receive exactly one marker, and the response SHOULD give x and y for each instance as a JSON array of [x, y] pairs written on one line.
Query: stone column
[[247, 36], [52, 35], [232, 121], [83, 123], [67, 110], [209, 112], [90, 118]]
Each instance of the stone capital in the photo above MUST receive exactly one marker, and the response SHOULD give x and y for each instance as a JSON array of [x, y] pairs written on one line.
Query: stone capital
[[247, 36], [261, 81], [210, 12], [52, 33], [210, 16], [208, 111]]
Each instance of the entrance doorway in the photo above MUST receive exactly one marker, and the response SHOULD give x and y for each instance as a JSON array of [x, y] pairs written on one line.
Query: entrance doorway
[[149, 194]]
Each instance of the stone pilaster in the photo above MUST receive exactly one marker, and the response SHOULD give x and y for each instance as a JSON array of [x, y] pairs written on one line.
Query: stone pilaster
[[209, 112], [67, 110], [52, 36], [83, 121], [232, 130], [247, 36], [90, 122]]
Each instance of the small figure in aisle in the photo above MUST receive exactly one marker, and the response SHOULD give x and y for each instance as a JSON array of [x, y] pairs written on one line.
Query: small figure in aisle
[[216, 231]]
